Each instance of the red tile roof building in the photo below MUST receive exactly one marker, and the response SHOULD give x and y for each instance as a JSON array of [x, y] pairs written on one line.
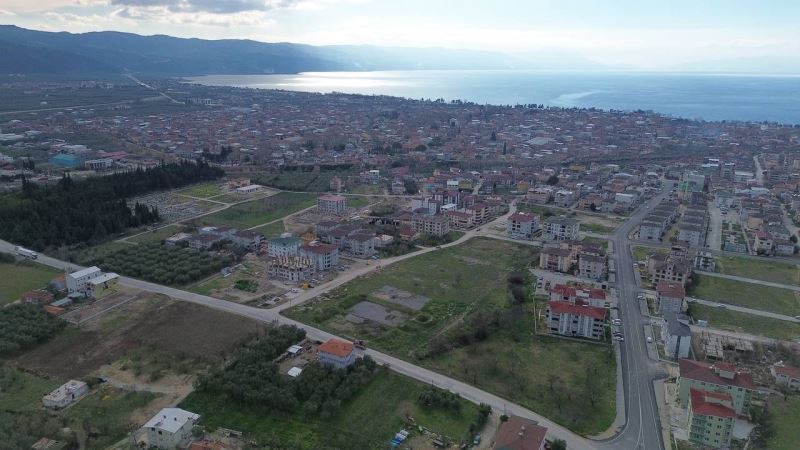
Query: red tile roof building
[[518, 433], [711, 418], [336, 353], [569, 319], [717, 377]]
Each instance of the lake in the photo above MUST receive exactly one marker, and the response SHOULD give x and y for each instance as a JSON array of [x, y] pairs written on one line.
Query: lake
[[696, 96]]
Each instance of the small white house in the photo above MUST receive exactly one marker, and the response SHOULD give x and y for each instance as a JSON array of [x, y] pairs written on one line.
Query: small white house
[[66, 394], [169, 428]]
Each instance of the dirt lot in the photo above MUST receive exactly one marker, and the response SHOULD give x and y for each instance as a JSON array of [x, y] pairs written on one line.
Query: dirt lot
[[176, 331]]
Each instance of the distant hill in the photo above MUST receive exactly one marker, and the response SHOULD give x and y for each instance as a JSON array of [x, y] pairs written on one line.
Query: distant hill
[[37, 52]]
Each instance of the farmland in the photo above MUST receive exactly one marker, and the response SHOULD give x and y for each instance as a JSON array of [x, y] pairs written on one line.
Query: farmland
[[161, 264], [257, 212], [21, 277]]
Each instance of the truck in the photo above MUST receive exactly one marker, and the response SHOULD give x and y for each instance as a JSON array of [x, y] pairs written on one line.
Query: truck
[[24, 252]]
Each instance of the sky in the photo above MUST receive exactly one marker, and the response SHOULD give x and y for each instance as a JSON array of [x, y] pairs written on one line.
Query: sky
[[633, 34]]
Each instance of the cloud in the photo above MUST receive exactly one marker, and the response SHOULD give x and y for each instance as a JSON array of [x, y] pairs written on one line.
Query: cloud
[[206, 6], [4, 13]]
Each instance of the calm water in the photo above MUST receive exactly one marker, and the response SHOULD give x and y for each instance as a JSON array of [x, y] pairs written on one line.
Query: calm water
[[710, 97]]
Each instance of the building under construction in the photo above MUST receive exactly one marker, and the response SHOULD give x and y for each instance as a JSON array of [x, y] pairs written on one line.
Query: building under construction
[[291, 268]]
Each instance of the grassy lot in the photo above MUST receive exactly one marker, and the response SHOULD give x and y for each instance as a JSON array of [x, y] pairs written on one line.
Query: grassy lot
[[521, 366], [157, 236], [748, 295], [204, 190], [759, 269], [359, 201], [257, 212], [602, 243], [23, 391], [272, 230], [746, 323], [478, 267], [108, 409], [596, 228], [16, 279], [375, 414], [785, 417], [244, 272], [369, 189], [464, 282], [85, 255], [641, 253]]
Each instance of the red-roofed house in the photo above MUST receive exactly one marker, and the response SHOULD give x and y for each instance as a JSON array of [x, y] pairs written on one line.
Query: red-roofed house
[[711, 418], [577, 296], [569, 319], [325, 256], [786, 376], [38, 297], [336, 353], [518, 433], [717, 377], [670, 296]]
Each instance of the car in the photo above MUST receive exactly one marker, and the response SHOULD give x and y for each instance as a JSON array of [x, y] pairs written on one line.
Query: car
[[616, 322], [797, 317], [649, 339], [722, 306], [619, 338]]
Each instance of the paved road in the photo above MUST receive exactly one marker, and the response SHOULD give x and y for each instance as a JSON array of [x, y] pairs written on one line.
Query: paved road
[[643, 426], [754, 312], [714, 238]]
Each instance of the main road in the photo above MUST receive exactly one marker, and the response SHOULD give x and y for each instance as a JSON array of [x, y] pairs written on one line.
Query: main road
[[642, 429]]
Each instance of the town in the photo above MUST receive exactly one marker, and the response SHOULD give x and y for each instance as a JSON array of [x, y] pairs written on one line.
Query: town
[[298, 270]]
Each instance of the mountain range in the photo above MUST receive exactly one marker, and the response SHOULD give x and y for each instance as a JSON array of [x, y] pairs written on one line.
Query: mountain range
[[108, 52]]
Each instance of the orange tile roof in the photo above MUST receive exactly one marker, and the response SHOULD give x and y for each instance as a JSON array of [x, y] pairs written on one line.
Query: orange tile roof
[[336, 347]]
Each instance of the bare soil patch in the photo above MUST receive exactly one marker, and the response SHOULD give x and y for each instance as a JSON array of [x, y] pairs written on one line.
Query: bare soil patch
[[376, 313], [400, 297], [155, 324]]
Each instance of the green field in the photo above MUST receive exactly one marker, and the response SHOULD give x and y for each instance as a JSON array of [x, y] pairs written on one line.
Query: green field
[[260, 211], [748, 295], [466, 283], [108, 409], [359, 201], [478, 267], [725, 319], [157, 236], [596, 228], [204, 190], [22, 391], [243, 272], [759, 269], [375, 414], [271, 230], [785, 418], [18, 278], [368, 189]]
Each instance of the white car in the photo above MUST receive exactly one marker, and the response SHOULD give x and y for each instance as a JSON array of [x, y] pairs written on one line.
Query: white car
[[649, 340], [619, 338]]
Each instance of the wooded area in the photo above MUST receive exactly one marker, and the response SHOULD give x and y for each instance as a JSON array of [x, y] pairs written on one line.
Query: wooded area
[[90, 210]]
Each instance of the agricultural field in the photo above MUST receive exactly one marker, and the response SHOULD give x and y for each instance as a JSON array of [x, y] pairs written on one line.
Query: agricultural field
[[18, 278], [140, 334], [450, 310], [759, 269], [375, 414], [785, 414], [748, 295], [257, 212], [725, 319], [160, 263]]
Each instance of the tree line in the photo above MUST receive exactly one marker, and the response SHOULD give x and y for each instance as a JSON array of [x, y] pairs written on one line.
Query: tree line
[[90, 210]]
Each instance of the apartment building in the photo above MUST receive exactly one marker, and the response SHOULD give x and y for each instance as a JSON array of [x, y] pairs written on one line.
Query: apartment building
[[569, 319], [561, 228], [711, 418], [522, 225], [332, 204], [432, 225], [324, 256], [555, 259], [716, 377]]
